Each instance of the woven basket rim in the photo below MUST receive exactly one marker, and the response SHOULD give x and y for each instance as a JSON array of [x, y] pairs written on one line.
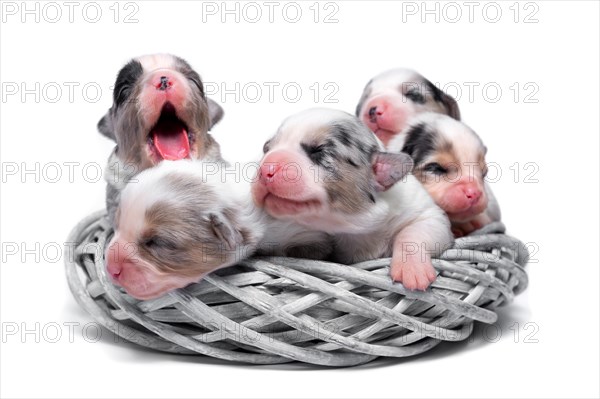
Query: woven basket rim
[[103, 301]]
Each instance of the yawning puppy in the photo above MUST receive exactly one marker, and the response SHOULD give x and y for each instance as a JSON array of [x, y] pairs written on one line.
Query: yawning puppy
[[325, 170], [178, 223], [159, 112], [394, 97], [449, 161]]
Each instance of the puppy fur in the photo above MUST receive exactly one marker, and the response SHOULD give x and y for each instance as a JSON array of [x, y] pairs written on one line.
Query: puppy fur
[[325, 170], [159, 111], [178, 223]]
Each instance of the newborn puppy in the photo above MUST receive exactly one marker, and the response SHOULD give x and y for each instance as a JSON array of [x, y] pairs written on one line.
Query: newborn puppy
[[159, 112], [449, 161], [392, 98], [325, 170], [178, 223]]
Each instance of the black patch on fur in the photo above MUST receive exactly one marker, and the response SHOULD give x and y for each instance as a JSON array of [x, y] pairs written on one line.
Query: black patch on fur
[[447, 101], [343, 134], [419, 143], [266, 146], [128, 76], [437, 94]]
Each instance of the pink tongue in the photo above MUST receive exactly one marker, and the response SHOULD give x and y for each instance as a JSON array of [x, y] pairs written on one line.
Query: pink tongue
[[171, 140]]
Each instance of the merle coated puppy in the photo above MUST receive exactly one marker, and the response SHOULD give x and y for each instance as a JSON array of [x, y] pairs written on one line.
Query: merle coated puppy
[[185, 219], [159, 112], [449, 160], [323, 169]]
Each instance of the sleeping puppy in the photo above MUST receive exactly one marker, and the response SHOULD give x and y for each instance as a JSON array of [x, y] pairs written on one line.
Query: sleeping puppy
[[325, 170], [394, 97], [178, 223], [449, 161], [159, 112]]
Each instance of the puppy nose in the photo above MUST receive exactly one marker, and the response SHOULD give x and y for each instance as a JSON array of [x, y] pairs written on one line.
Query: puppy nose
[[164, 83], [473, 194], [114, 269], [268, 170]]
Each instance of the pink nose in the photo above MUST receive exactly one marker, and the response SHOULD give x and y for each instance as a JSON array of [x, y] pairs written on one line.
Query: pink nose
[[113, 260], [114, 269], [268, 170], [472, 193], [274, 165]]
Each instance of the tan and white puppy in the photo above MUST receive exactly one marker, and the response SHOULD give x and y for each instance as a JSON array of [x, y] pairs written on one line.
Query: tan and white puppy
[[391, 99], [450, 162], [182, 220], [159, 112], [325, 170]]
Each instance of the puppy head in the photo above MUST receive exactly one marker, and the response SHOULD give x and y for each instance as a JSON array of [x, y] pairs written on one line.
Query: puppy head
[[172, 228], [392, 98], [324, 169], [449, 161], [159, 112]]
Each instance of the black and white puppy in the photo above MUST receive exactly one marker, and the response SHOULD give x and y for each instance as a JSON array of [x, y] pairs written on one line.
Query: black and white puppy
[[391, 99], [159, 112], [184, 219], [450, 162], [325, 170]]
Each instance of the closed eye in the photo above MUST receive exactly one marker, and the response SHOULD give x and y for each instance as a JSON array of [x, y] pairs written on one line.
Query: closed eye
[[416, 96], [316, 153], [156, 242], [198, 85], [435, 168]]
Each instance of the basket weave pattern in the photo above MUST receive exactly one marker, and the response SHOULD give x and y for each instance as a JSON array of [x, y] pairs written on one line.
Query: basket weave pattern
[[278, 310]]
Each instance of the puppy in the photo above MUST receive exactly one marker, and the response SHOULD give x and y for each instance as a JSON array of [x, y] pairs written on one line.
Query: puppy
[[449, 161], [325, 170], [159, 112], [178, 223], [394, 97]]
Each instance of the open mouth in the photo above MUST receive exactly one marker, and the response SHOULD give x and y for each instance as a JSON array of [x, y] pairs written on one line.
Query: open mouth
[[284, 206], [169, 138]]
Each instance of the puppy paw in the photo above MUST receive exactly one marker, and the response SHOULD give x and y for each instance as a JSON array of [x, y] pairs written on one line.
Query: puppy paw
[[414, 274]]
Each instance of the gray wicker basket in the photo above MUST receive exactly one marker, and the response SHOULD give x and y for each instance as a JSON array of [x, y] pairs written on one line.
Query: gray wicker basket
[[278, 310]]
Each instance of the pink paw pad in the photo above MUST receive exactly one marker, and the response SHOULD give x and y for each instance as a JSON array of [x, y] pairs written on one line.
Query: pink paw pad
[[414, 274]]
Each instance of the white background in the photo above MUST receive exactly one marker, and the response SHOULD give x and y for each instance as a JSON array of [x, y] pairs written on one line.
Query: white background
[[558, 215]]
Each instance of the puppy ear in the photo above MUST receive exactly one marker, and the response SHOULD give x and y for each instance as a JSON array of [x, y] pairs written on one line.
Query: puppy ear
[[105, 126], [215, 113], [229, 236], [389, 168], [447, 101]]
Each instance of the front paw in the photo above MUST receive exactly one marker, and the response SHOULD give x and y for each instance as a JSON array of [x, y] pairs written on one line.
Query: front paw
[[413, 273]]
